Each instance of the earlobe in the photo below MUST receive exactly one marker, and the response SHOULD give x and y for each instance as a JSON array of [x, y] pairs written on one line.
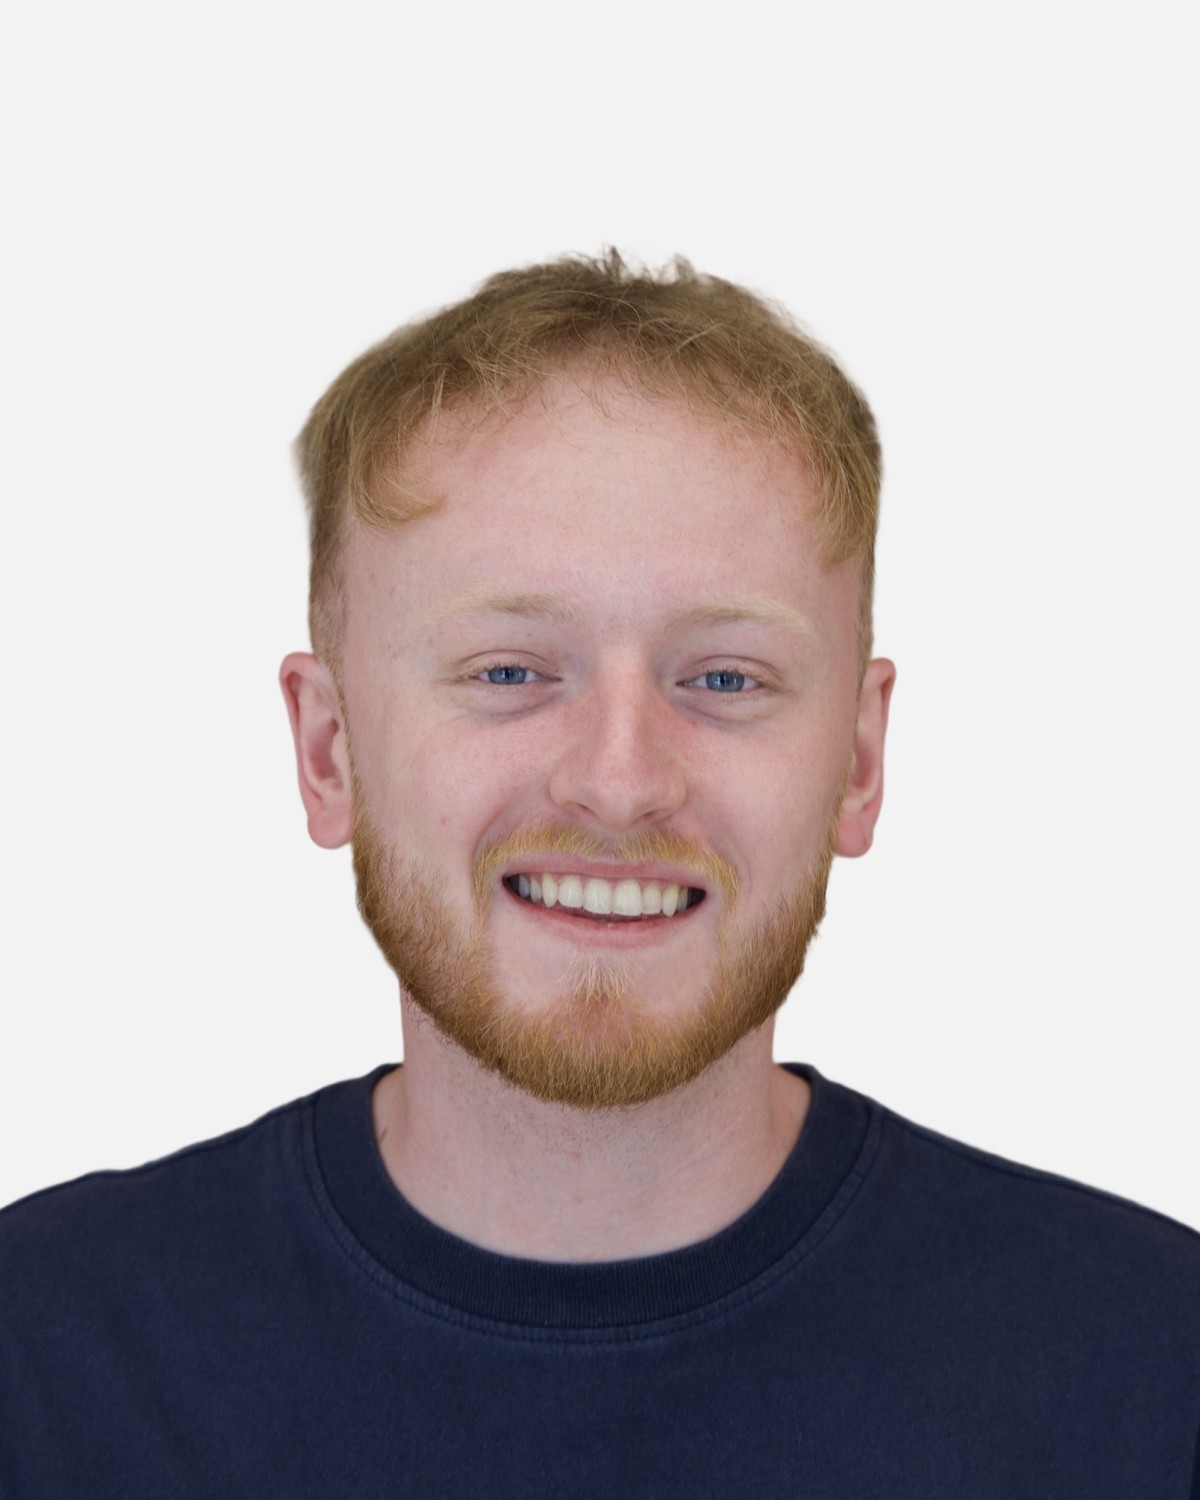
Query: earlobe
[[864, 786], [315, 711]]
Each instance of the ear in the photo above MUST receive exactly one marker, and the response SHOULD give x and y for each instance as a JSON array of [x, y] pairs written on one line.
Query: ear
[[864, 789], [322, 755]]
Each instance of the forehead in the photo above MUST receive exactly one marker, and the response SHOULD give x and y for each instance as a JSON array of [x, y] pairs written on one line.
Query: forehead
[[592, 426], [602, 495]]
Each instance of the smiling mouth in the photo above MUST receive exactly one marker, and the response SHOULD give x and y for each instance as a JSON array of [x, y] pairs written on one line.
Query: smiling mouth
[[609, 900]]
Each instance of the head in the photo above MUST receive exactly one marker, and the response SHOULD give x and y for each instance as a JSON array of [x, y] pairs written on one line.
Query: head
[[591, 604]]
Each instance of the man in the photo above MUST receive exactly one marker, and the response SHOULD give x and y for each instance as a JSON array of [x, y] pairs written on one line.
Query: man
[[592, 695]]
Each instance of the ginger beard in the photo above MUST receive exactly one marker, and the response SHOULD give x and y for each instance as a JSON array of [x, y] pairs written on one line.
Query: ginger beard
[[597, 1046]]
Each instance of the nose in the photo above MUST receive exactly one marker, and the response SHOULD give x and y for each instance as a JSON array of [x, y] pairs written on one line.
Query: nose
[[620, 766]]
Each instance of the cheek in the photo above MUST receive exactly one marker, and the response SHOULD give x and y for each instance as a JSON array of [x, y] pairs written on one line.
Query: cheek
[[781, 817], [449, 789]]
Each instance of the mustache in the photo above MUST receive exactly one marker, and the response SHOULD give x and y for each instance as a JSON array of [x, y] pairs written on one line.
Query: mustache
[[652, 845]]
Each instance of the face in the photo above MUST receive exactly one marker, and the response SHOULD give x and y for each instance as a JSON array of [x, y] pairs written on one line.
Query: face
[[607, 732]]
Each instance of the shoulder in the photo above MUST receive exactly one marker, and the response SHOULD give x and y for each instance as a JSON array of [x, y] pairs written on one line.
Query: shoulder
[[1000, 1219], [111, 1227], [134, 1300], [1056, 1294], [949, 1163], [124, 1185]]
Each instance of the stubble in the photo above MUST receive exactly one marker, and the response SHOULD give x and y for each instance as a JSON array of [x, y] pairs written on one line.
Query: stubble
[[599, 1045]]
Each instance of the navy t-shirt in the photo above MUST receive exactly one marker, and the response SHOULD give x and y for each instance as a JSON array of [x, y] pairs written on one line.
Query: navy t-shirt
[[898, 1316]]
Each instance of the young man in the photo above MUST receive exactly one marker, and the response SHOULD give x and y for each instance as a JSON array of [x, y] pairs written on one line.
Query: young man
[[592, 696]]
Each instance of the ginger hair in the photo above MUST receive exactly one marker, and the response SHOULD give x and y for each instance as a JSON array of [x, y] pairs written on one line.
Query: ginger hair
[[674, 333]]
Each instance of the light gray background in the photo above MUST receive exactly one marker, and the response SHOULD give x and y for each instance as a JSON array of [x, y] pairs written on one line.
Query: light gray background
[[989, 216]]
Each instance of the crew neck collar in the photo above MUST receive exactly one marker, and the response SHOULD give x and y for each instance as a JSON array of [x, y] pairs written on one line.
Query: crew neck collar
[[808, 1192]]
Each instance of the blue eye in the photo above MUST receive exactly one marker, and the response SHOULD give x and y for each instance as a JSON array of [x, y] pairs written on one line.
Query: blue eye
[[724, 682], [508, 676]]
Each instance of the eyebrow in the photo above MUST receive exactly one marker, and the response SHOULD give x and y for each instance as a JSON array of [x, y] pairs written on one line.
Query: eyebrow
[[754, 611], [478, 602]]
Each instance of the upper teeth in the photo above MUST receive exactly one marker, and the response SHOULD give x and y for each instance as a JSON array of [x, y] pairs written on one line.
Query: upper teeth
[[602, 898]]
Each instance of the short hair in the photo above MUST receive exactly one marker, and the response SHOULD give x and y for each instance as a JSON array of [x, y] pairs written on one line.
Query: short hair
[[673, 333]]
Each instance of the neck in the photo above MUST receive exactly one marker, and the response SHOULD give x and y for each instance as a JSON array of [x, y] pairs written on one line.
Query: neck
[[513, 1174]]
